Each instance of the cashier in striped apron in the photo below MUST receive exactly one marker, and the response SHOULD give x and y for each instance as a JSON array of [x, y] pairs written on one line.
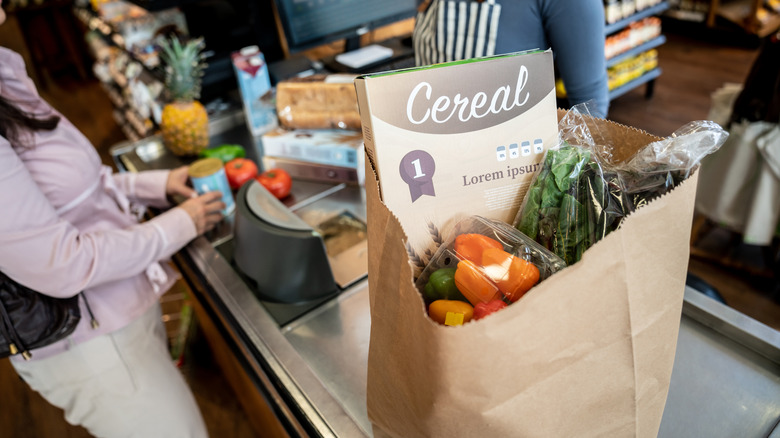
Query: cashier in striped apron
[[451, 30]]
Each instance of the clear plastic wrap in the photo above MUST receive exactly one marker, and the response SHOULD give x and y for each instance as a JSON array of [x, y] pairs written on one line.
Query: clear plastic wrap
[[483, 266], [584, 189], [572, 202], [663, 164]]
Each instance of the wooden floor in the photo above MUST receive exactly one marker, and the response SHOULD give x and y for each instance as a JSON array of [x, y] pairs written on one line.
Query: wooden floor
[[692, 70]]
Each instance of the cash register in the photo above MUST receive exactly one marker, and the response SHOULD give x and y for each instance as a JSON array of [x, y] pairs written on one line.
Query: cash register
[[311, 23]]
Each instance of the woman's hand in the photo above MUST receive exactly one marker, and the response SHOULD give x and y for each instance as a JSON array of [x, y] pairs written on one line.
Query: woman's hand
[[205, 210], [177, 183]]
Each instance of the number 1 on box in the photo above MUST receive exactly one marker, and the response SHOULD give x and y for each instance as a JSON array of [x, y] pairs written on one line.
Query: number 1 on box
[[418, 173]]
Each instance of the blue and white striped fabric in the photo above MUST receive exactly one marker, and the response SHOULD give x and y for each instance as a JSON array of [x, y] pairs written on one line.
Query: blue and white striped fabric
[[451, 30]]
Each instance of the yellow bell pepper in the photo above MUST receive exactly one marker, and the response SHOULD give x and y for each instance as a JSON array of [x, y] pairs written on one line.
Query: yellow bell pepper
[[450, 312]]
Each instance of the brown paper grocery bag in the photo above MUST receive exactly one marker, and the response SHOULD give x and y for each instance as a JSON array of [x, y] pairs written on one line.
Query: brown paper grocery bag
[[588, 352]]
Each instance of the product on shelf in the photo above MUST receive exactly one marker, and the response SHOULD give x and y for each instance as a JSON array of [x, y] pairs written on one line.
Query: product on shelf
[[623, 72], [130, 87], [636, 34], [612, 11], [318, 102], [97, 46], [632, 68], [117, 64], [145, 94], [628, 7], [138, 31], [689, 10], [117, 11], [616, 10]]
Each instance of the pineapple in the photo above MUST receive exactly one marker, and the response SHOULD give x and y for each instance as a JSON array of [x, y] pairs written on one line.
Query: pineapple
[[184, 122]]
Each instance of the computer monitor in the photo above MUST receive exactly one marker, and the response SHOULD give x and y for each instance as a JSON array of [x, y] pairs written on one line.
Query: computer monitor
[[310, 23]]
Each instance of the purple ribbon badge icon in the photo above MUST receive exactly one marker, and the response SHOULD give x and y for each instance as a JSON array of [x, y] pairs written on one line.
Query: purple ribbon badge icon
[[417, 169]]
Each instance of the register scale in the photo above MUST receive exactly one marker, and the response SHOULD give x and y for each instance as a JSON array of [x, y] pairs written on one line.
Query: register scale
[[294, 254]]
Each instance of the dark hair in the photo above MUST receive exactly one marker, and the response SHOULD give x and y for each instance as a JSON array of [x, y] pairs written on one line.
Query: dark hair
[[14, 122]]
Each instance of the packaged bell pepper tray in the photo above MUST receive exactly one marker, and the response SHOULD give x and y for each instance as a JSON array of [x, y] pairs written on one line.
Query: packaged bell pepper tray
[[483, 266], [589, 349]]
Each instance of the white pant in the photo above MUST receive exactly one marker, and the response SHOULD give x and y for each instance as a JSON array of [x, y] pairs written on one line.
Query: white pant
[[122, 384]]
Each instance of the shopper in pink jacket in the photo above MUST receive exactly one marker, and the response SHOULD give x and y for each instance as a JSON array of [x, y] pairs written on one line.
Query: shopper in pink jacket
[[69, 224]]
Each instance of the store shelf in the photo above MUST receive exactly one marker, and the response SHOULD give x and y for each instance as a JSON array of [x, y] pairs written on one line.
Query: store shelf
[[159, 5], [644, 13], [143, 127], [113, 95], [612, 31], [645, 78], [94, 22], [750, 15], [127, 129], [684, 15], [128, 73], [655, 42], [754, 17]]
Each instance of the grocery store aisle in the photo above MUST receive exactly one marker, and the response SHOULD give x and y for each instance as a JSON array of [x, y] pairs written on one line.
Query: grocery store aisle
[[692, 70], [696, 62]]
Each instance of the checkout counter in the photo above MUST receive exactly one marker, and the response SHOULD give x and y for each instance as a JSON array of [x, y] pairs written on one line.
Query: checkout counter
[[307, 363]]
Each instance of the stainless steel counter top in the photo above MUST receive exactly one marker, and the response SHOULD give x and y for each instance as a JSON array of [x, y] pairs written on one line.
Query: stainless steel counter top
[[726, 376], [725, 383], [310, 367]]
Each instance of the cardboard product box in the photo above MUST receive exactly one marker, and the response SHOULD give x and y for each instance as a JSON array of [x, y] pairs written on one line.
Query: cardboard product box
[[335, 147], [476, 130], [588, 352], [256, 92]]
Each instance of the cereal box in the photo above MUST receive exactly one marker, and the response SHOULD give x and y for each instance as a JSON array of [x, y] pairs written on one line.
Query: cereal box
[[457, 139]]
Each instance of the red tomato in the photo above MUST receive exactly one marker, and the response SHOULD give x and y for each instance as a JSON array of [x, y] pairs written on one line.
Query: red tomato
[[483, 309], [277, 181], [239, 171]]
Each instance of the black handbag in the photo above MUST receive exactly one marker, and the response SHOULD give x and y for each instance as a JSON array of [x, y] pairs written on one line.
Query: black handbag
[[32, 320]]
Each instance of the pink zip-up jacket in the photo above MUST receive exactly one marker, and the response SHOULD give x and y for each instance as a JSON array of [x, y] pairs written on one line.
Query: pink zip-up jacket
[[69, 224]]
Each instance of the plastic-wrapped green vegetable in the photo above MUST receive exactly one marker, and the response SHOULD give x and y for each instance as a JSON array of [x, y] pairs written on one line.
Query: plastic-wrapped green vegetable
[[554, 213], [581, 194], [225, 152]]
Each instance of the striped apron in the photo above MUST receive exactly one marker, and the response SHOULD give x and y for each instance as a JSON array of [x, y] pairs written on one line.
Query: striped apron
[[451, 30]]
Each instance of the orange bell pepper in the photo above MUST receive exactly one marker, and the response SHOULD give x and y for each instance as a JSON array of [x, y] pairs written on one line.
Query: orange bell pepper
[[473, 284], [513, 275], [450, 312], [470, 246]]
